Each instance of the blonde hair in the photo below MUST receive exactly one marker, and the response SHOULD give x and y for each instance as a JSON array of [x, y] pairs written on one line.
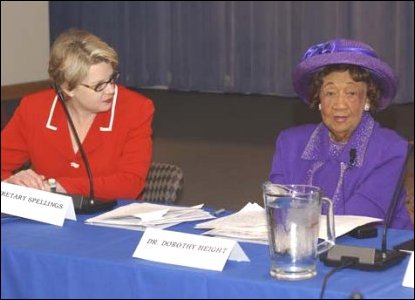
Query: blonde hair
[[74, 52]]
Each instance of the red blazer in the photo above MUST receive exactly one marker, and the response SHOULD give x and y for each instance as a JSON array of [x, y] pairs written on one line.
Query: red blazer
[[118, 144]]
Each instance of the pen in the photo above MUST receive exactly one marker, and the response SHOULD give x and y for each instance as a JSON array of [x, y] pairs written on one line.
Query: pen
[[218, 212]]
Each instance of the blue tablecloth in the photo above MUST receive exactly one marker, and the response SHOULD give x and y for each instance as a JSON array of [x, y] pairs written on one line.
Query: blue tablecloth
[[85, 261]]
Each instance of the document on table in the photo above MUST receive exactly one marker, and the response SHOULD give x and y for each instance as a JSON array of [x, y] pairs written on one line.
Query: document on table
[[249, 225], [344, 223], [138, 216]]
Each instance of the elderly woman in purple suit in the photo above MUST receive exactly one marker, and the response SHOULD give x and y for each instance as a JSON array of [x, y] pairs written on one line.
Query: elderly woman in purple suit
[[349, 155]]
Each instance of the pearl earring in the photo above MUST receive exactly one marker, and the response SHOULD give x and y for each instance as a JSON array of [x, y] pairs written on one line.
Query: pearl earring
[[367, 107], [319, 106]]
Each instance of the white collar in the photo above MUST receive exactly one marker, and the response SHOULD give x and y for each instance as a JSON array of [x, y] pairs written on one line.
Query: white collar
[[109, 128]]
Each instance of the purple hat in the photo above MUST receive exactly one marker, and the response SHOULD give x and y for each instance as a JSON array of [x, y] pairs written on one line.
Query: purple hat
[[343, 51]]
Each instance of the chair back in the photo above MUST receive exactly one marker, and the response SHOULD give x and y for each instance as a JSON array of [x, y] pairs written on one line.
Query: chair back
[[164, 183]]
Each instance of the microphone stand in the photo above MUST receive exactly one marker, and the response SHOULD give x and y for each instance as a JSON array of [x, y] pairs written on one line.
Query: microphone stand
[[91, 205], [371, 259], [81, 150], [392, 206]]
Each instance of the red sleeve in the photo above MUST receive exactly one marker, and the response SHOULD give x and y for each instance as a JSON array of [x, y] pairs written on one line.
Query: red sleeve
[[14, 148]]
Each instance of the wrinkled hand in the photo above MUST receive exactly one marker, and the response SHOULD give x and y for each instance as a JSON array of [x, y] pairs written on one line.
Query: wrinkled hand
[[29, 178]]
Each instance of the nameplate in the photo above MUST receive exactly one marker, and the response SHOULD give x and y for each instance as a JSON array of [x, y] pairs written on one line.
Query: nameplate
[[408, 280], [36, 204], [188, 250]]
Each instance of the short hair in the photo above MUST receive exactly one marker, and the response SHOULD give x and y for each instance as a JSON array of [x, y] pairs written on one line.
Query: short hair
[[74, 52], [357, 73]]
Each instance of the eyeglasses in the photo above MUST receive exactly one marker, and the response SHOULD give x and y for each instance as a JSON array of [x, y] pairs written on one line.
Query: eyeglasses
[[102, 85]]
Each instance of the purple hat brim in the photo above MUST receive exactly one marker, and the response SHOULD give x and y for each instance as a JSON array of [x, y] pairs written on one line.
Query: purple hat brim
[[382, 73]]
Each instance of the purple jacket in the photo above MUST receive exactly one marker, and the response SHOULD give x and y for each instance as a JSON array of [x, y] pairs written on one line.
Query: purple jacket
[[362, 183]]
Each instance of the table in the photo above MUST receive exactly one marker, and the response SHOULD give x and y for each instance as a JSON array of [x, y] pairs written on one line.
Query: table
[[84, 261]]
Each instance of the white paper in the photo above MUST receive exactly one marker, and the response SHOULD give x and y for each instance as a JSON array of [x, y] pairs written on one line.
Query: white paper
[[242, 218], [238, 254], [408, 279], [36, 204], [130, 227], [187, 249], [344, 224], [250, 225], [138, 216]]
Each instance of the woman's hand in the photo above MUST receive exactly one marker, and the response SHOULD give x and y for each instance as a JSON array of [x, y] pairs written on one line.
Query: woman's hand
[[30, 179]]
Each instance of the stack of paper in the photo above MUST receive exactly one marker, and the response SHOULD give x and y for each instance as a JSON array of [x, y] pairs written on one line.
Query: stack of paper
[[138, 216], [249, 225]]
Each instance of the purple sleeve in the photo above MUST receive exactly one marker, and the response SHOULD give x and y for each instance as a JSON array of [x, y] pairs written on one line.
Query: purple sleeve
[[277, 174], [287, 165], [373, 193]]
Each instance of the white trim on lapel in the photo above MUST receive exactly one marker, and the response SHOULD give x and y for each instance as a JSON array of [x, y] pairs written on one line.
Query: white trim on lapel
[[51, 112], [109, 128]]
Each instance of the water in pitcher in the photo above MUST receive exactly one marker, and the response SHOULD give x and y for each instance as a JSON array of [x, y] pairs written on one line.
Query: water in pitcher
[[293, 235]]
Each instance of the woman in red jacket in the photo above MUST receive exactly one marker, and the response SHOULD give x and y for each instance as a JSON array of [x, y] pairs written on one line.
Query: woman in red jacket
[[112, 123]]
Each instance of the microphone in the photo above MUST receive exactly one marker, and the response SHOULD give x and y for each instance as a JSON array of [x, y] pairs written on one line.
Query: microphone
[[352, 157], [371, 259], [82, 204]]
